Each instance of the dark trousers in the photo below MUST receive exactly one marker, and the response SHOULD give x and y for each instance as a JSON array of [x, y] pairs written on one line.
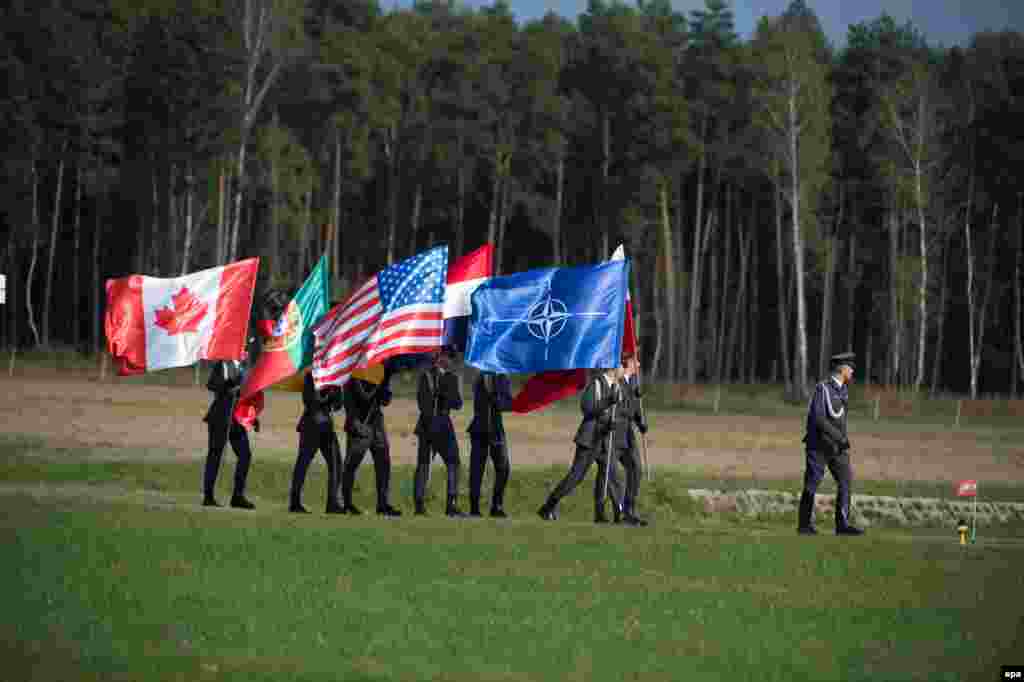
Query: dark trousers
[[218, 438], [484, 448], [444, 443], [311, 440], [839, 465], [578, 471], [630, 460], [355, 450]]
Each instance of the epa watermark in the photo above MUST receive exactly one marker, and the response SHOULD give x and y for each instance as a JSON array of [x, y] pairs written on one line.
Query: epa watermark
[[1012, 672]]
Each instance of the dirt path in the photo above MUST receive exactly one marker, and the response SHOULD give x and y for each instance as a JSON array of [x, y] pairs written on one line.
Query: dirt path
[[164, 421]]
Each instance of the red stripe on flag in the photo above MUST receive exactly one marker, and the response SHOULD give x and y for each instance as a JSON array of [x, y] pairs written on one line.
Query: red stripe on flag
[[473, 265], [234, 303], [125, 324]]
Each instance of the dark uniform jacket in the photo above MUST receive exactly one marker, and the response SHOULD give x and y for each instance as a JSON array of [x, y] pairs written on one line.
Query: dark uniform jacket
[[492, 395], [225, 381], [437, 394], [826, 418], [627, 413], [317, 406], [363, 401], [598, 397]]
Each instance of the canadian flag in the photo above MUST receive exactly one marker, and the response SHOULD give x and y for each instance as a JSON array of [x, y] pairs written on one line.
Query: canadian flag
[[156, 323]]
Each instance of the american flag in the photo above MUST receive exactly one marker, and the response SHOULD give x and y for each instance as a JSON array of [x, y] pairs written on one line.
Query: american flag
[[398, 311]]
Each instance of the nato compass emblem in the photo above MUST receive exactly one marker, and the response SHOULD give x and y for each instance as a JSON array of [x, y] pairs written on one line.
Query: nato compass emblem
[[547, 318]]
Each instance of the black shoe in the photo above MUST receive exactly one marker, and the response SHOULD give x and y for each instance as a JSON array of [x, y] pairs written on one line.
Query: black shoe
[[547, 513], [239, 502], [351, 509], [498, 513], [388, 510], [335, 509], [849, 530], [632, 520], [454, 512], [807, 530], [210, 502], [475, 513], [297, 508], [421, 509]]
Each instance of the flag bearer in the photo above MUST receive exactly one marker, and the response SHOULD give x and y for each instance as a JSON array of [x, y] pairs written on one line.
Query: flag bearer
[[624, 442], [600, 395], [827, 444], [437, 394], [225, 381], [492, 395], [316, 432], [364, 426]]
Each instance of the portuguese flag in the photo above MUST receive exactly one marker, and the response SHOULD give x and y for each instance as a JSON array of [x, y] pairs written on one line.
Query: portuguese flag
[[289, 347]]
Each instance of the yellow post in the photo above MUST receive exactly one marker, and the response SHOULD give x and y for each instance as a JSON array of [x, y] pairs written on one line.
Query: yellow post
[[962, 529]]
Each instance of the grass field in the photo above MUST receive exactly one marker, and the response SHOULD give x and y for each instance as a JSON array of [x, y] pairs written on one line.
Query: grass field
[[118, 574]]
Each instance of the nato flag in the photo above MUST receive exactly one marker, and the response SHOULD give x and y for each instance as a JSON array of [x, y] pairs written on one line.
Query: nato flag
[[549, 319]]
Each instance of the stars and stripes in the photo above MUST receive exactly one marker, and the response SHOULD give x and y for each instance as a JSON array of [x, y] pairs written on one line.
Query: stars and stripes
[[398, 311]]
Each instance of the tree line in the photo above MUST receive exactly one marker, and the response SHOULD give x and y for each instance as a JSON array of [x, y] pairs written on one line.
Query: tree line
[[781, 198]]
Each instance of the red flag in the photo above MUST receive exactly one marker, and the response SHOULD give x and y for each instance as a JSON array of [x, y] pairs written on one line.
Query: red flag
[[547, 387], [967, 488]]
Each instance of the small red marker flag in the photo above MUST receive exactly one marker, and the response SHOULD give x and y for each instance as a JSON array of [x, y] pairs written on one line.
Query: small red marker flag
[[967, 488]]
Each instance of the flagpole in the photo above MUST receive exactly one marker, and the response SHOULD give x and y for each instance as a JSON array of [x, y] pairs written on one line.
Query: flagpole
[[643, 417], [608, 453]]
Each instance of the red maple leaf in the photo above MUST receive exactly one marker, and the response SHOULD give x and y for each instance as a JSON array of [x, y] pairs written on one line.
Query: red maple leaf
[[185, 316]]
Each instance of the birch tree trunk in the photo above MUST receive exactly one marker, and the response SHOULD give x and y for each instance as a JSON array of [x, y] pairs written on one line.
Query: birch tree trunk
[[186, 250], [668, 296], [755, 302], [392, 194], [35, 252], [977, 319], [721, 297], [780, 269], [852, 278], [48, 294], [417, 203], [800, 378], [1018, 342], [896, 329], [96, 235], [76, 265], [691, 340], [922, 291], [943, 302], [499, 251], [556, 228], [738, 321], [460, 213]]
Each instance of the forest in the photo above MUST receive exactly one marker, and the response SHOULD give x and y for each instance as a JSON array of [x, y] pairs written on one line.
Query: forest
[[781, 198]]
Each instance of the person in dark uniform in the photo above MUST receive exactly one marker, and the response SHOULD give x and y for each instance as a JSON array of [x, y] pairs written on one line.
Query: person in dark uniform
[[599, 396], [225, 382], [492, 395], [827, 444], [316, 432], [437, 394], [624, 442], [364, 427]]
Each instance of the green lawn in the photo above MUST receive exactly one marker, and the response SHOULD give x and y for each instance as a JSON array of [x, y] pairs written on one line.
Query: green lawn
[[112, 572]]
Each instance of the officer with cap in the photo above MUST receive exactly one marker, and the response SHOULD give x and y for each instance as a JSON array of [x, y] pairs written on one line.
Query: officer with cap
[[827, 444], [316, 432], [437, 394], [492, 395], [225, 382], [364, 426]]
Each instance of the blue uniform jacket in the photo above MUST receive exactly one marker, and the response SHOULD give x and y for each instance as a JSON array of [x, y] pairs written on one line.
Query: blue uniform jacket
[[826, 418]]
